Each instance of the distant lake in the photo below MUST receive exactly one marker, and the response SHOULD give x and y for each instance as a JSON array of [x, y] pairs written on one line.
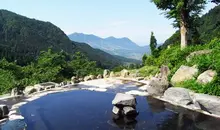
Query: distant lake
[[88, 110]]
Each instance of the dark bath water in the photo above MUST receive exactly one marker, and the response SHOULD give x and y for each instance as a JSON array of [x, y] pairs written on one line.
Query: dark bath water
[[87, 110]]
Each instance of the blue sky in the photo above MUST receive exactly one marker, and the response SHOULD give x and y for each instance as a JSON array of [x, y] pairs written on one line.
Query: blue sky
[[134, 19]]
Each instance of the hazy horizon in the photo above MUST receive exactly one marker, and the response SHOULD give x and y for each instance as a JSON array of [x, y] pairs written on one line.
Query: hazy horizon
[[125, 18]]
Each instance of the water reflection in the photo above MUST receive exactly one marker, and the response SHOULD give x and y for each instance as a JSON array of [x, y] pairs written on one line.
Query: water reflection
[[86, 110]]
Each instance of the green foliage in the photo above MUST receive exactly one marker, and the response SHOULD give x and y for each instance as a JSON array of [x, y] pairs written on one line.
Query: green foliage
[[153, 44], [212, 88], [50, 66], [144, 58], [22, 39], [148, 70]]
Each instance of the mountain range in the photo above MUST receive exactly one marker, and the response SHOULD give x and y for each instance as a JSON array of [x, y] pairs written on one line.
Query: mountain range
[[116, 46], [22, 39]]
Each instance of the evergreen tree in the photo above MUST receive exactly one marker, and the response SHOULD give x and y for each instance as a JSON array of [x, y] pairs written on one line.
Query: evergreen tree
[[153, 44]]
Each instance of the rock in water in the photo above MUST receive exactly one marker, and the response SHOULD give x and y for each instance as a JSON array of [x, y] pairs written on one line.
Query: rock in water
[[184, 73], [116, 110], [206, 77], [129, 111], [124, 100], [178, 95]]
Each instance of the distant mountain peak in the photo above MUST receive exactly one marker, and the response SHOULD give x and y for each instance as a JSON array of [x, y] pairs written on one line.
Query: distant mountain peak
[[116, 46]]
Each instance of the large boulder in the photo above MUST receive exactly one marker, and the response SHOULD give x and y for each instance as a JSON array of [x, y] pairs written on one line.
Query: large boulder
[[206, 77], [124, 73], [184, 73], [124, 100], [16, 92], [106, 73], [178, 96], [209, 103], [157, 87], [29, 90]]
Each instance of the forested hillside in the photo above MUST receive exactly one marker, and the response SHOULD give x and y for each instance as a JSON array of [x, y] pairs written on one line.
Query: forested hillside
[[22, 39]]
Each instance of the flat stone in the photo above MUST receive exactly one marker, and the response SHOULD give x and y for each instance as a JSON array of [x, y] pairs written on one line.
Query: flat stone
[[116, 110], [129, 111], [178, 95], [124, 100], [209, 103]]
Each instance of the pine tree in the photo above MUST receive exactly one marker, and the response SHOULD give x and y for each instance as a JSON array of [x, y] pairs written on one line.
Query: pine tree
[[153, 44]]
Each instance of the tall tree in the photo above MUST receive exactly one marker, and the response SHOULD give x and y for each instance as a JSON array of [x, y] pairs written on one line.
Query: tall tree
[[153, 44], [184, 12]]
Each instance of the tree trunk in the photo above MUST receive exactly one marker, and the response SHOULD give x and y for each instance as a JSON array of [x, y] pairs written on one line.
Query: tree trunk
[[184, 28], [184, 35]]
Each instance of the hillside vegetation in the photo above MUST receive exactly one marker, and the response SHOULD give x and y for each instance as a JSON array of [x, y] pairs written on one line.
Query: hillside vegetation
[[173, 56], [22, 39]]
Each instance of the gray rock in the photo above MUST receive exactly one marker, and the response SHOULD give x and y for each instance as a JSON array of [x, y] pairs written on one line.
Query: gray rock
[[116, 110], [99, 76], [197, 53], [63, 83], [129, 111], [4, 111], [206, 77], [29, 90], [209, 103], [124, 73], [124, 100], [92, 77], [112, 74], [87, 78], [74, 79], [16, 92], [164, 72], [184, 73], [106, 73], [178, 95], [157, 87]]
